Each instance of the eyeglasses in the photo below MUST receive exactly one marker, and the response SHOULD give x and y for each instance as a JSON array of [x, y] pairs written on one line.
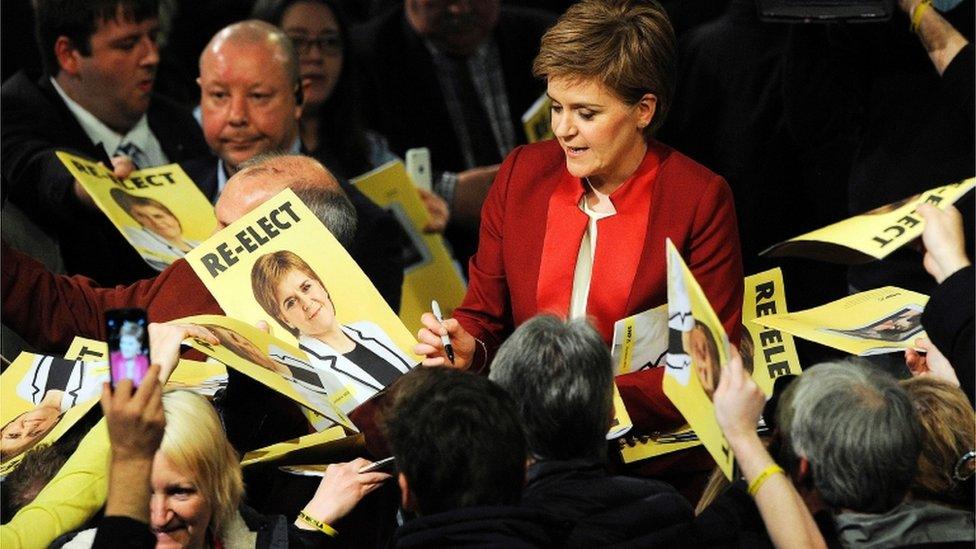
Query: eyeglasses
[[328, 45]]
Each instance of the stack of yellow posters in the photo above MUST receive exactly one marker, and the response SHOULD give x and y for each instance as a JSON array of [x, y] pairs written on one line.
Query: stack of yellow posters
[[278, 264], [160, 211], [640, 341], [699, 348], [872, 235], [537, 120], [883, 320], [429, 271]]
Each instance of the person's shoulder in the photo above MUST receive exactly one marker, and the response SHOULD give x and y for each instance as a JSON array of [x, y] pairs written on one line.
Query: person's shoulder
[[24, 91], [542, 156], [679, 172]]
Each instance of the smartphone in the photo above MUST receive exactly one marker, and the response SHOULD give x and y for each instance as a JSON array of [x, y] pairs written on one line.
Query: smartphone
[[418, 167], [128, 345]]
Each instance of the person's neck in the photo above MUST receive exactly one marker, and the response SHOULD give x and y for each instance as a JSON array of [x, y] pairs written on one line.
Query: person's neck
[[338, 340], [310, 132], [607, 185]]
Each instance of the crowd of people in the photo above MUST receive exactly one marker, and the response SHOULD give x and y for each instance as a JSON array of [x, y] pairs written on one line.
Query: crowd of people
[[671, 122]]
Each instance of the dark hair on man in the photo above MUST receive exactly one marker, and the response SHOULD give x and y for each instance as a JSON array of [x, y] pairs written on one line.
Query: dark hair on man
[[457, 439], [561, 377], [859, 431], [78, 19]]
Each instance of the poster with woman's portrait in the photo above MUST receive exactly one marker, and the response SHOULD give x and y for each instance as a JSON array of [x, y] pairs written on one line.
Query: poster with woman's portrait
[[43, 396], [280, 265], [883, 320], [159, 211], [697, 349]]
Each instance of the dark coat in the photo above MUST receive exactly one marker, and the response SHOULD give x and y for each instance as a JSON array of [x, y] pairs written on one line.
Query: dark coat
[[501, 526], [36, 124], [600, 509], [948, 321]]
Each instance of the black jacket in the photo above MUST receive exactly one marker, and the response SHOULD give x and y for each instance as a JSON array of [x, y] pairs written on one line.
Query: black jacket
[[948, 321], [36, 123], [599, 509], [501, 526]]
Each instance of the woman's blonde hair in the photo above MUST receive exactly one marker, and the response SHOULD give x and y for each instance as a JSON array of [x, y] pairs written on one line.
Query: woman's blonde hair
[[267, 272], [948, 433], [628, 45], [196, 445], [128, 202]]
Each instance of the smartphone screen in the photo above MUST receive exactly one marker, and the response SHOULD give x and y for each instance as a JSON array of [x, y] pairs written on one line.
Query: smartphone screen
[[128, 345]]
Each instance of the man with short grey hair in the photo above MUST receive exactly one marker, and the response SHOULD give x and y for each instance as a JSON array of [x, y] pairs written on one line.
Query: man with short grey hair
[[561, 378], [856, 436]]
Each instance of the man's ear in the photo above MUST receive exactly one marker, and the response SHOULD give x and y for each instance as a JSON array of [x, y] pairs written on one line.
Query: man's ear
[[67, 55], [803, 475], [407, 500]]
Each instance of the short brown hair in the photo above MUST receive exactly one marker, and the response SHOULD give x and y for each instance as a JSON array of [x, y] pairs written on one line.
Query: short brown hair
[[948, 433], [267, 271], [628, 45]]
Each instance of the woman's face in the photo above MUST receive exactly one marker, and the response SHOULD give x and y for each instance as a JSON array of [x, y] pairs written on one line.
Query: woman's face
[[304, 304], [706, 365], [315, 31], [601, 135], [27, 430], [158, 221], [179, 513], [129, 346]]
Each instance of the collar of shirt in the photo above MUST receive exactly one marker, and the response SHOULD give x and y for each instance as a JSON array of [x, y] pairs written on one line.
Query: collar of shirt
[[222, 177], [98, 132], [604, 199]]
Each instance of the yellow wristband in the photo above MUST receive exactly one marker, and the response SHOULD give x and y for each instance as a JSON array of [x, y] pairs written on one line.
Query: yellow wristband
[[317, 524], [757, 482], [917, 12]]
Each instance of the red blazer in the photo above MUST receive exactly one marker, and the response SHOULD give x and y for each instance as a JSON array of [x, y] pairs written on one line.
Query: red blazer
[[531, 227]]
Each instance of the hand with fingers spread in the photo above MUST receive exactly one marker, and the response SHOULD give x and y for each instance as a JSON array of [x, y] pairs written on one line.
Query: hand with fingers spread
[[931, 363], [135, 424], [944, 240], [165, 341], [342, 487], [437, 210], [430, 345]]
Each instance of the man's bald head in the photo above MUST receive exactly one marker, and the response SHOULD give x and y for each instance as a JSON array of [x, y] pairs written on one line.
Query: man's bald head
[[265, 176], [250, 92]]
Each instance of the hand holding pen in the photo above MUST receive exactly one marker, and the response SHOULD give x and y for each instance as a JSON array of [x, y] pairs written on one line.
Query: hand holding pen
[[443, 341]]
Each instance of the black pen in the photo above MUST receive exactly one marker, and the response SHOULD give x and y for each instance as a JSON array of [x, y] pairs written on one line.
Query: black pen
[[448, 349]]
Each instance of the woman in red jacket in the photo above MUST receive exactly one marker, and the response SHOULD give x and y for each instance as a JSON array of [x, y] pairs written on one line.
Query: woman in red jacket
[[576, 226]]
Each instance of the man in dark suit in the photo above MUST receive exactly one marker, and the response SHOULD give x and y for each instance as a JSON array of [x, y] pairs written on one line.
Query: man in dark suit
[[251, 103], [454, 77], [94, 99]]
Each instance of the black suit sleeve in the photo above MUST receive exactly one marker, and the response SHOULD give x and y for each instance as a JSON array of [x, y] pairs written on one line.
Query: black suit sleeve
[[948, 321]]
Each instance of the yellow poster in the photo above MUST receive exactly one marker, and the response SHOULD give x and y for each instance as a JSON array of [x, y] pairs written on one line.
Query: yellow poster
[[329, 446], [160, 211], [429, 271], [766, 352], [871, 235], [43, 397], [636, 448], [276, 364], [537, 120], [280, 265], [621, 422], [640, 341], [883, 320], [698, 348]]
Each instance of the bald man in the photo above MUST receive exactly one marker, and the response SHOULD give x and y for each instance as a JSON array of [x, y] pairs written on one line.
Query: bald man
[[251, 104]]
